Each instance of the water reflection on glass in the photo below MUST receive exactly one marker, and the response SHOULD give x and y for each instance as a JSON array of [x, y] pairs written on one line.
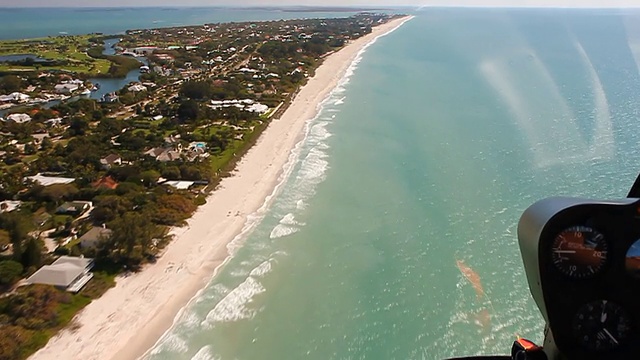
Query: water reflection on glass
[[632, 262]]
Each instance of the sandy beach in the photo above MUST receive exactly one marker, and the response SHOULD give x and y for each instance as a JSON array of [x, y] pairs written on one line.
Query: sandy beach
[[132, 316]]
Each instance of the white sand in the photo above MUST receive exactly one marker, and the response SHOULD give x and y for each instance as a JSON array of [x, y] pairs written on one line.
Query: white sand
[[127, 320]]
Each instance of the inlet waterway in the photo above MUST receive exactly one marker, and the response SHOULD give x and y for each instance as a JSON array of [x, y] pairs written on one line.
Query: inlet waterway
[[110, 85]]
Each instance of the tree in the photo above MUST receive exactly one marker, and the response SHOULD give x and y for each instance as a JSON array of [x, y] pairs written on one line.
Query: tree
[[58, 192], [5, 239], [109, 127], [10, 83], [78, 126], [195, 90], [10, 272], [110, 207], [131, 238], [32, 255], [29, 149], [35, 307], [171, 173], [149, 178], [188, 110], [12, 340], [18, 224], [46, 144], [172, 209]]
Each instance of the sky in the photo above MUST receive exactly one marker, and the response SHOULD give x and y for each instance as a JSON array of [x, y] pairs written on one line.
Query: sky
[[483, 3]]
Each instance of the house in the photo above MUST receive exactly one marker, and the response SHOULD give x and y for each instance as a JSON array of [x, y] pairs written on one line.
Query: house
[[110, 160], [169, 155], [54, 122], [164, 154], [38, 138], [18, 118], [66, 88], [67, 272], [50, 180], [75, 208], [106, 182], [93, 237], [15, 97], [143, 50], [197, 146], [109, 98], [9, 205], [137, 88], [179, 184]]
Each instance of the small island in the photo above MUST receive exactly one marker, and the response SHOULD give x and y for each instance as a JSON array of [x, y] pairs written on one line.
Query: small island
[[91, 188]]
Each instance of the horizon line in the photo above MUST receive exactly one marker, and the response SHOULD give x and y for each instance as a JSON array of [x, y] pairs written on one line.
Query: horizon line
[[329, 7]]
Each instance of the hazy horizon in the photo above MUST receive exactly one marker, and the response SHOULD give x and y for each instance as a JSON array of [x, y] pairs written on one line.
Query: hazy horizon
[[325, 3]]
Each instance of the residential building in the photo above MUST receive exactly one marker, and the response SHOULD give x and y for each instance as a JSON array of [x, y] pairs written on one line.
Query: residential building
[[93, 237], [112, 159], [66, 88], [74, 208], [18, 118], [67, 272]]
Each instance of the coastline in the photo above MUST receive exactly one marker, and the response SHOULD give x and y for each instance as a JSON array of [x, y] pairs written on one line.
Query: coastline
[[129, 319]]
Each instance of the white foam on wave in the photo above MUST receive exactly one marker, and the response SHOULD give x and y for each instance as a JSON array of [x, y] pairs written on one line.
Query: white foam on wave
[[287, 226], [319, 131], [205, 353], [170, 343], [280, 231], [314, 166], [256, 218], [289, 219], [262, 269], [189, 320], [235, 306]]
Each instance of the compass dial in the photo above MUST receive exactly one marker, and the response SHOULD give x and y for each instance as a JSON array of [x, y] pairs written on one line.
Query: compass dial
[[579, 252]]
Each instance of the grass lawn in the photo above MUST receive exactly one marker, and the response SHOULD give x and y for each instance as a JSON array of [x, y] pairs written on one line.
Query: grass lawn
[[61, 48]]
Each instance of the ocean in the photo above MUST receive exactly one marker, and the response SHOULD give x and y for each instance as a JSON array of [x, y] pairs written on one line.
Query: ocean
[[435, 142], [26, 23], [441, 134]]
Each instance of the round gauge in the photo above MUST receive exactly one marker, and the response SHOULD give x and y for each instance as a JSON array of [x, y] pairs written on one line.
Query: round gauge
[[601, 326], [579, 252]]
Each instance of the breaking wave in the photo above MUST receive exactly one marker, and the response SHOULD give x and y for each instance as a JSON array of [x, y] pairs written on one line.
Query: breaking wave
[[204, 354], [235, 306]]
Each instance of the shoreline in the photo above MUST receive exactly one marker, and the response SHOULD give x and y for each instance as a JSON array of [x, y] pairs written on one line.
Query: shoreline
[[131, 317]]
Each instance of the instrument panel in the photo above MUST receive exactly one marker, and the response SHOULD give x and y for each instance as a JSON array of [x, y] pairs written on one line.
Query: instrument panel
[[582, 259]]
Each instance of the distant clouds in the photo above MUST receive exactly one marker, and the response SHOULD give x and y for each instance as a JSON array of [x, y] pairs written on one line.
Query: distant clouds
[[479, 3]]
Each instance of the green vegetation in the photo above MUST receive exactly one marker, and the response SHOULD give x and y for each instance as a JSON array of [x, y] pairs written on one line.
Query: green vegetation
[[35, 313], [74, 54]]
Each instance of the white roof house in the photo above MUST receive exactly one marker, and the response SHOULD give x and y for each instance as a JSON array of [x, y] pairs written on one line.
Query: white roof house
[[50, 180], [180, 185], [16, 96], [137, 88], [19, 118], [67, 272], [9, 205], [66, 88]]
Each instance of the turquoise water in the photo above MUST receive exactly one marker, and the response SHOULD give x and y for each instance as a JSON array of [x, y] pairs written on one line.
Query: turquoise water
[[425, 155]]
